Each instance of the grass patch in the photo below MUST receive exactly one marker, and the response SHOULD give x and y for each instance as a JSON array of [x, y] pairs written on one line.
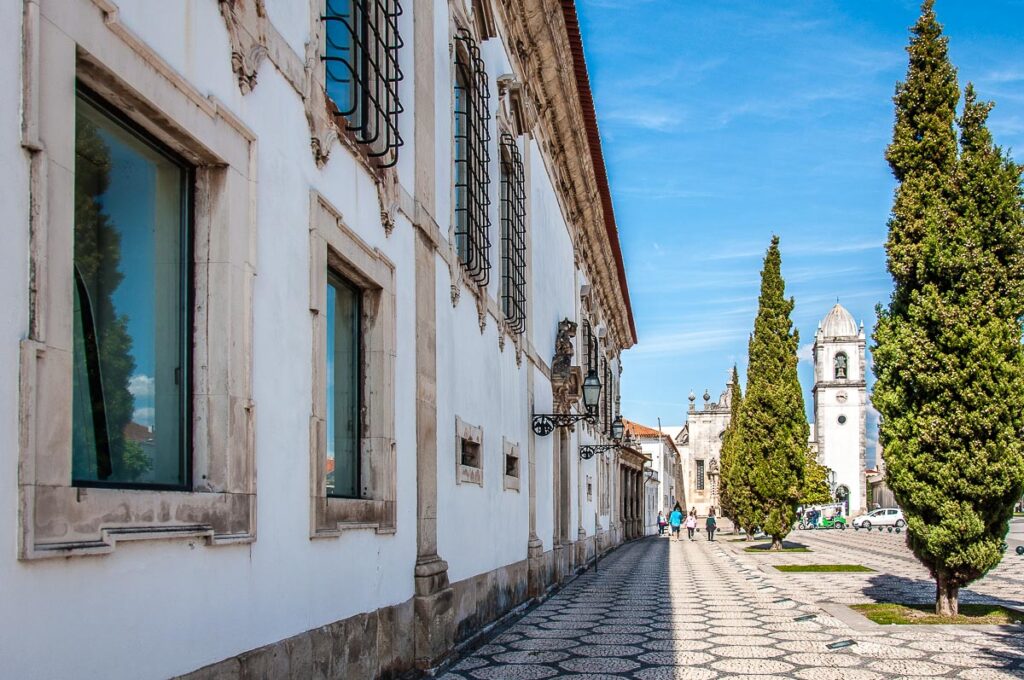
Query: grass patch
[[904, 614], [786, 547], [797, 568]]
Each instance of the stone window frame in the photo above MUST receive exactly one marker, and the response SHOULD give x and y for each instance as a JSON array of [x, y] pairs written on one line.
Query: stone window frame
[[84, 41], [464, 432], [334, 245], [511, 450]]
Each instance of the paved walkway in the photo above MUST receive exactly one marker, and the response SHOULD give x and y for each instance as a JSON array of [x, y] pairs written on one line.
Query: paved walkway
[[661, 609]]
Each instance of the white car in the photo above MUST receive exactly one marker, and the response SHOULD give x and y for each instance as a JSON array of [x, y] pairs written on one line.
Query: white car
[[886, 517]]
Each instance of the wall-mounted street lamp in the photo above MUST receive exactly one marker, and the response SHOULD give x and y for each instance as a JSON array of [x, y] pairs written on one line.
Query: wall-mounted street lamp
[[588, 451], [545, 423]]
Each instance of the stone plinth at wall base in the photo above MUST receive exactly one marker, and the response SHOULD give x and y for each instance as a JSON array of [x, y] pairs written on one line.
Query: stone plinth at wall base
[[538, 569], [372, 645], [481, 599], [378, 645], [434, 629]]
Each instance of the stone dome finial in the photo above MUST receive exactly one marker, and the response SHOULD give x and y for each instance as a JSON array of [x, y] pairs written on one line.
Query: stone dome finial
[[693, 397], [707, 396], [839, 323]]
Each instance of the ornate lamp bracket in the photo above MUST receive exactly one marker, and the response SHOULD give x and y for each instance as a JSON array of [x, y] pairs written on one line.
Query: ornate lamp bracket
[[588, 451], [545, 423]]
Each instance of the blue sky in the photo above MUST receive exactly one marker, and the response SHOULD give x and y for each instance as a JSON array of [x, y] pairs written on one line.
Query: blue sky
[[724, 122]]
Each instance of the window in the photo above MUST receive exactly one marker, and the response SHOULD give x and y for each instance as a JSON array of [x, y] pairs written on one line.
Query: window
[[470, 454], [700, 475], [472, 158], [344, 359], [353, 471], [131, 324], [136, 367], [609, 397], [513, 235], [842, 420], [841, 364], [361, 60], [511, 465], [469, 459], [512, 472]]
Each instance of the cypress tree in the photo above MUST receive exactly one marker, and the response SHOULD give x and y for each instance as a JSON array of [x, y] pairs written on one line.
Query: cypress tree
[[772, 421], [728, 448], [948, 352], [815, 489]]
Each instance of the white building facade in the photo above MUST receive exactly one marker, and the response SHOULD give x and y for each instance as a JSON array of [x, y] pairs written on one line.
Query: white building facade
[[701, 439], [286, 282], [840, 405], [665, 478]]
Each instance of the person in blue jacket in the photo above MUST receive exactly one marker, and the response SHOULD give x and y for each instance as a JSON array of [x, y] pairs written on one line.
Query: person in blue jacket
[[676, 520]]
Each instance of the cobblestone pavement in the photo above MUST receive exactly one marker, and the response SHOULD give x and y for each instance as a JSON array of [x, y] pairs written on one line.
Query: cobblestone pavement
[[663, 609]]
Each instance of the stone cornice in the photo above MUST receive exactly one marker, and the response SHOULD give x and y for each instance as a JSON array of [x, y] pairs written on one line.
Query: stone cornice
[[543, 40]]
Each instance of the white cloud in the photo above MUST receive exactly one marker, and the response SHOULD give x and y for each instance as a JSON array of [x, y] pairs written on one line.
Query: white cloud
[[645, 118], [144, 416], [806, 353], [141, 386]]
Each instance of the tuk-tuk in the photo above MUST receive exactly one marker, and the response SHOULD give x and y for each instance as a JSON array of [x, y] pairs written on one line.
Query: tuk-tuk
[[823, 517]]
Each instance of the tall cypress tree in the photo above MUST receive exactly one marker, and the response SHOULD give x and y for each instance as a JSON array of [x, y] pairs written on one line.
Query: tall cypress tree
[[772, 420], [729, 443], [948, 353], [815, 489]]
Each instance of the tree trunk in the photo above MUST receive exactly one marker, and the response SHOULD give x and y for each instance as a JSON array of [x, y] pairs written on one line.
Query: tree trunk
[[776, 543], [947, 596]]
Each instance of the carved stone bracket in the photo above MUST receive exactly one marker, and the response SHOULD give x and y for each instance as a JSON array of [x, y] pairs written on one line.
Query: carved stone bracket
[[245, 21], [566, 379]]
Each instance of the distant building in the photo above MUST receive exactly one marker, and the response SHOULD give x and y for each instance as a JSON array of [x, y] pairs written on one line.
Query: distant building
[[700, 442], [840, 405], [665, 482]]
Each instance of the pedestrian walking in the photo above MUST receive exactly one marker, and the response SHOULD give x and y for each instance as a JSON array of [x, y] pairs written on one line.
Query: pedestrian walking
[[661, 523], [691, 524], [676, 519], [711, 525]]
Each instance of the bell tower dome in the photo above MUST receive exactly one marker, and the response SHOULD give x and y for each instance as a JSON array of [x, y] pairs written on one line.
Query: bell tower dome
[[840, 404]]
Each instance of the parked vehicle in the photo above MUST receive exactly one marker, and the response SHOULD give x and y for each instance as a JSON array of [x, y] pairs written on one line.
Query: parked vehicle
[[884, 517], [823, 517]]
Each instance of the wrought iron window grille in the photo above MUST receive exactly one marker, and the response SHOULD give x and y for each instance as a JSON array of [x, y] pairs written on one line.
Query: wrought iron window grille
[[472, 158], [513, 235], [362, 71]]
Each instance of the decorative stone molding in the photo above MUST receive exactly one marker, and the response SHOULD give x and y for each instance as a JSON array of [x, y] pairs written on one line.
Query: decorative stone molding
[[545, 68], [566, 379], [245, 21]]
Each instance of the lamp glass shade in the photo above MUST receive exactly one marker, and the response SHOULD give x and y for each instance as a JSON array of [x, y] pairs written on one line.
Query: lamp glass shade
[[617, 428], [591, 391]]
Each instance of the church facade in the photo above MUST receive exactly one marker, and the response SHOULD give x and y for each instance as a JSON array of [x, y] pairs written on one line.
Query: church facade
[[838, 427], [840, 405], [700, 442]]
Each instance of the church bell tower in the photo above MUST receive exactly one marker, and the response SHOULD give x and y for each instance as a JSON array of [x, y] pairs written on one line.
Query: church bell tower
[[840, 405]]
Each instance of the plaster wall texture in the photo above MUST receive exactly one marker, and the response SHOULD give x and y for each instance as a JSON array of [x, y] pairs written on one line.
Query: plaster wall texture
[[157, 598]]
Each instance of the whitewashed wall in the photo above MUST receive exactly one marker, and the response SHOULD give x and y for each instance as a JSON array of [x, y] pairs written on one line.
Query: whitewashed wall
[[160, 608]]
